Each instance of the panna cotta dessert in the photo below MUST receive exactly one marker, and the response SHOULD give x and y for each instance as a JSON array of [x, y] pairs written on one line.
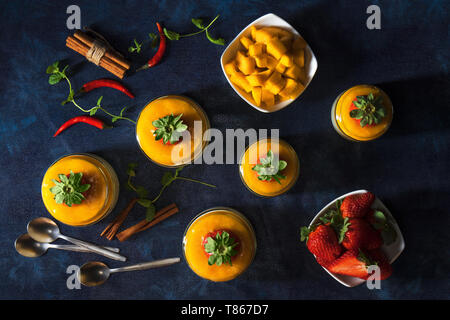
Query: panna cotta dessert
[[362, 113], [80, 189], [219, 244], [170, 130], [269, 167]]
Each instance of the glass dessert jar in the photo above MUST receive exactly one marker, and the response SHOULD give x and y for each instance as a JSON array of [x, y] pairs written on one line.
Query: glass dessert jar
[[170, 130], [362, 113], [269, 167], [220, 228], [75, 174]]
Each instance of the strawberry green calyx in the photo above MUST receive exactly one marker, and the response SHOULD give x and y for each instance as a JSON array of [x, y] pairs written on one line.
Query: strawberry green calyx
[[336, 221], [221, 248], [369, 109], [169, 128], [269, 169], [364, 258], [68, 189]]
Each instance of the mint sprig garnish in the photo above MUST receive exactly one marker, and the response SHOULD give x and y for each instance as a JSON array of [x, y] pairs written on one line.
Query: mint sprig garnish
[[69, 190], [369, 110], [220, 248], [169, 128], [142, 192], [172, 35], [56, 75], [269, 168]]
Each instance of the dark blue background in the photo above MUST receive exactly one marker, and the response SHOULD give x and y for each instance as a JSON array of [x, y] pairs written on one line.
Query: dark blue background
[[407, 168]]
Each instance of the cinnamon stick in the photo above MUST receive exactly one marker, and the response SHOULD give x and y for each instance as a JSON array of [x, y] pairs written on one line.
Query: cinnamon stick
[[161, 215], [105, 63], [73, 42], [89, 41], [112, 228]]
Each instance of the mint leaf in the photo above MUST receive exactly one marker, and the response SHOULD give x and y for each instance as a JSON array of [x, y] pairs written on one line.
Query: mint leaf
[[171, 35], [218, 41], [150, 212], [198, 23]]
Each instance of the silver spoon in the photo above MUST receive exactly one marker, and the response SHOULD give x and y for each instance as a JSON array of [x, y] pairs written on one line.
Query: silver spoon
[[45, 230], [96, 273], [28, 247]]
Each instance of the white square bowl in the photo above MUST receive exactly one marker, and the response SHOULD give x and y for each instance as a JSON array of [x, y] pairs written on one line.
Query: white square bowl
[[392, 251], [274, 21]]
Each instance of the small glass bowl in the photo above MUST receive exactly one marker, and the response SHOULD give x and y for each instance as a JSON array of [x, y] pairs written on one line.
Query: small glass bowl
[[286, 188], [335, 116], [238, 216], [197, 153], [111, 189]]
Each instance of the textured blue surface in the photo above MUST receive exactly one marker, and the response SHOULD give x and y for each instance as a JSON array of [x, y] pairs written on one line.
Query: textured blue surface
[[408, 168]]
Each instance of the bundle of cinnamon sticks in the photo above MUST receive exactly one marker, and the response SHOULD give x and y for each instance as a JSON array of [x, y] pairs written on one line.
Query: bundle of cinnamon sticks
[[111, 230], [111, 60]]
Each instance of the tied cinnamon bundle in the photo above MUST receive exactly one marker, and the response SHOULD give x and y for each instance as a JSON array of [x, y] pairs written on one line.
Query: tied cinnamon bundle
[[97, 50], [161, 215]]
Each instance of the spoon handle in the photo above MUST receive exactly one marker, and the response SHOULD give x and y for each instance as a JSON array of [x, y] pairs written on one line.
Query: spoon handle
[[147, 265], [94, 248], [78, 248]]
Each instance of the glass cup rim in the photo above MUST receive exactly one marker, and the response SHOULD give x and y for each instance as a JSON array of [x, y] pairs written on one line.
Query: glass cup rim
[[196, 105], [210, 210], [94, 156], [334, 114], [294, 181]]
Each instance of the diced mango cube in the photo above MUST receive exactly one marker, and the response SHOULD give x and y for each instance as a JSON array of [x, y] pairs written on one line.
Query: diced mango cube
[[276, 48], [275, 83], [253, 32], [292, 89], [287, 60], [230, 68], [256, 49], [294, 72], [246, 42], [265, 61], [263, 36], [299, 58], [297, 90], [267, 98], [280, 67], [256, 94], [239, 79], [244, 63]]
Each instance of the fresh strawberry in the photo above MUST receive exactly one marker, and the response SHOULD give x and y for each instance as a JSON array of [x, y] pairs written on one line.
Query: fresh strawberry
[[357, 205], [322, 242], [385, 267], [220, 246], [361, 235], [351, 263], [355, 263]]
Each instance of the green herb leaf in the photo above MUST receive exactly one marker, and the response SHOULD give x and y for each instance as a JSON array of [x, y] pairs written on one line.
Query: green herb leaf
[[218, 41], [268, 170], [169, 128], [220, 248], [99, 101], [198, 23], [167, 178], [369, 110], [150, 212], [171, 35], [54, 78], [69, 190], [53, 68]]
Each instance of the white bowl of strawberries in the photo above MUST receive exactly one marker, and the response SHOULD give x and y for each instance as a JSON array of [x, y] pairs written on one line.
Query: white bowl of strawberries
[[351, 233]]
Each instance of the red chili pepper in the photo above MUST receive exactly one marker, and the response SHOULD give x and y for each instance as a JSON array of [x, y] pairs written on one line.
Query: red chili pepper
[[159, 54], [85, 119], [106, 83]]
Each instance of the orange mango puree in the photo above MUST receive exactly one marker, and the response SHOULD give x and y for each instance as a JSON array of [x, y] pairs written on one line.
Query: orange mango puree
[[269, 188], [188, 149], [209, 222], [99, 197], [350, 126]]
